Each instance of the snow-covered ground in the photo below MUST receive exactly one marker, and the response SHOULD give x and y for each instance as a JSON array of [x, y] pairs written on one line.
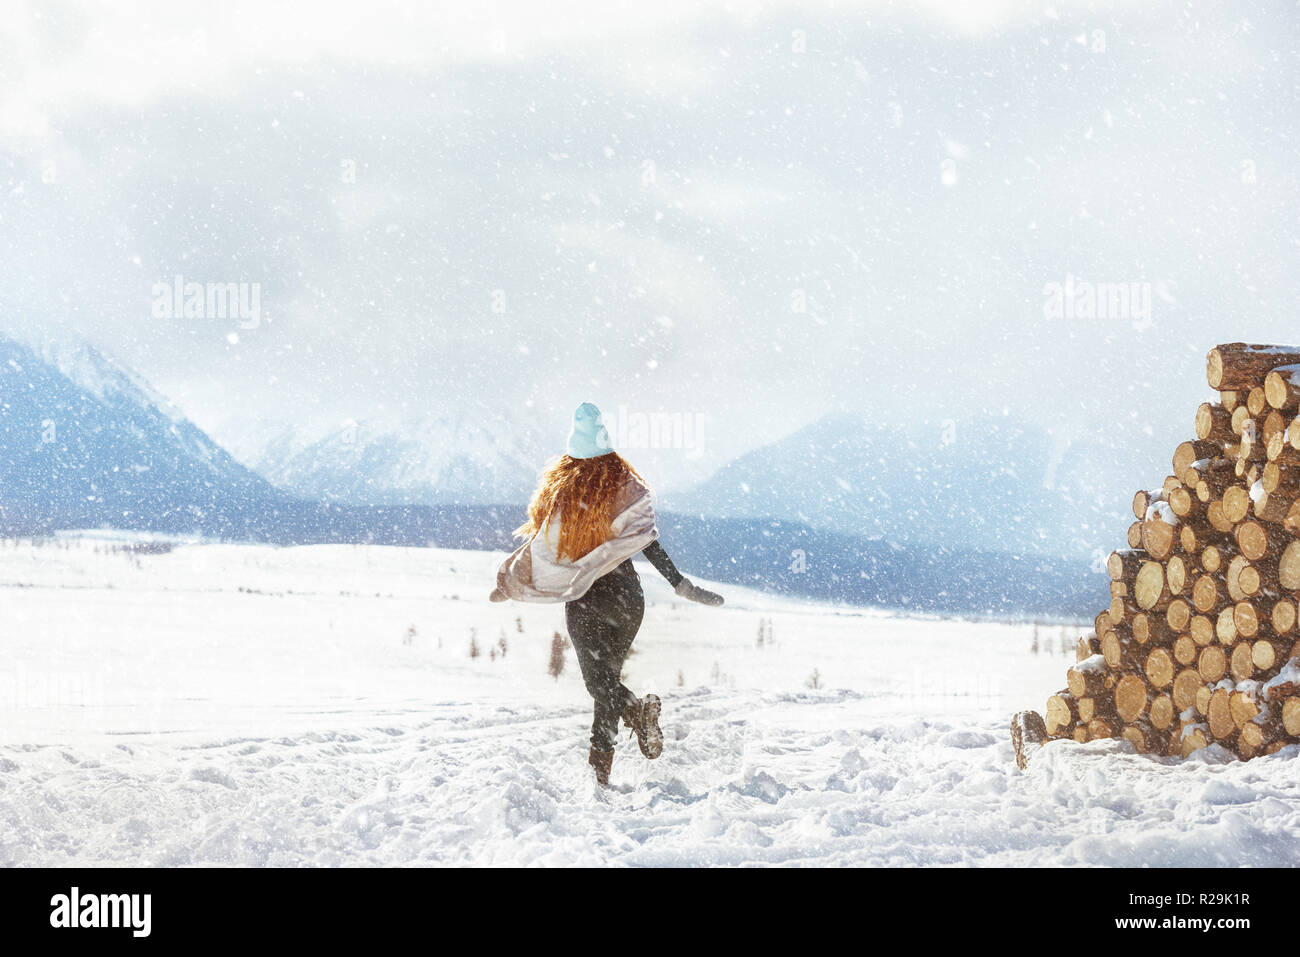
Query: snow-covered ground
[[251, 705]]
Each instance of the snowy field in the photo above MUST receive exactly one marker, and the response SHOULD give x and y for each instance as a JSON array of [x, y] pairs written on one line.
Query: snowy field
[[245, 705]]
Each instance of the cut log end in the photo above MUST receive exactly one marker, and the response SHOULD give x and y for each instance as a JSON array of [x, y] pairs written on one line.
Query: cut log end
[[1028, 734]]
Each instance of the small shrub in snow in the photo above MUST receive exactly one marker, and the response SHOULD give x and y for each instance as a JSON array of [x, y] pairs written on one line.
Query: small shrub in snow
[[555, 667]]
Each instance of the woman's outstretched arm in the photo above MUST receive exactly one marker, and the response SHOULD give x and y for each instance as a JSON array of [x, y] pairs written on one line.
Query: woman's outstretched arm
[[662, 563], [682, 585]]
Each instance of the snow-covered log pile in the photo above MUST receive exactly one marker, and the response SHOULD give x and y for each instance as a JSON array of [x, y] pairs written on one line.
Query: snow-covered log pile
[[1200, 642]]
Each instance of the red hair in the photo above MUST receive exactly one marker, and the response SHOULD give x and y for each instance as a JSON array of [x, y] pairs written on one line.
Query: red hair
[[581, 492]]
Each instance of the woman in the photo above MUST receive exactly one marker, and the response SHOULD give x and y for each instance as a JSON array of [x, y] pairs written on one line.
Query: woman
[[590, 514]]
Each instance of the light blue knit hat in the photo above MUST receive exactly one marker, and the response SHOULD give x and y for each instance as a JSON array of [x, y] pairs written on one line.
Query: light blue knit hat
[[588, 438]]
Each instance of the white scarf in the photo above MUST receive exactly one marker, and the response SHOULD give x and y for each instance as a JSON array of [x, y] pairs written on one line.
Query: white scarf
[[534, 572]]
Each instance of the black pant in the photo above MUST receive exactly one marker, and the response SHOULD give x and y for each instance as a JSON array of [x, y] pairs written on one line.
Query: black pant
[[602, 626]]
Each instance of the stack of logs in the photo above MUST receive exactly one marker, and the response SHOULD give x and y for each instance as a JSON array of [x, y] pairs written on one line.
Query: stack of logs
[[1200, 641]]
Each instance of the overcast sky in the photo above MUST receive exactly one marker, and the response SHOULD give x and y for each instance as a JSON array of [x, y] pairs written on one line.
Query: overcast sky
[[752, 212]]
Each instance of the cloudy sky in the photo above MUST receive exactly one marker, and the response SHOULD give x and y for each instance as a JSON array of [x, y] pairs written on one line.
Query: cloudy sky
[[757, 213]]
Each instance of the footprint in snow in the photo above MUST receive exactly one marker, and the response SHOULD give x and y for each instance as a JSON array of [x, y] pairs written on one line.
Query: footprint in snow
[[967, 739], [213, 776]]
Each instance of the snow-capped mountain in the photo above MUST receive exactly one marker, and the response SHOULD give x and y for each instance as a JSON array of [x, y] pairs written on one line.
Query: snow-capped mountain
[[84, 441], [466, 457], [987, 483]]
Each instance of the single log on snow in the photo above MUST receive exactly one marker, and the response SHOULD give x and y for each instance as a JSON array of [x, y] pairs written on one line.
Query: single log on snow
[[1028, 734]]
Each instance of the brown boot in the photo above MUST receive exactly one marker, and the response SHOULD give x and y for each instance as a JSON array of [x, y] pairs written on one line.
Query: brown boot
[[602, 761], [642, 716]]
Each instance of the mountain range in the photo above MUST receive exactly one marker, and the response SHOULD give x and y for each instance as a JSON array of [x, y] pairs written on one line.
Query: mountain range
[[989, 482], [471, 456], [842, 509]]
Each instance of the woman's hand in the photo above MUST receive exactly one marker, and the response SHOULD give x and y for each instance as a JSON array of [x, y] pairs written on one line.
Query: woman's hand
[[689, 590]]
